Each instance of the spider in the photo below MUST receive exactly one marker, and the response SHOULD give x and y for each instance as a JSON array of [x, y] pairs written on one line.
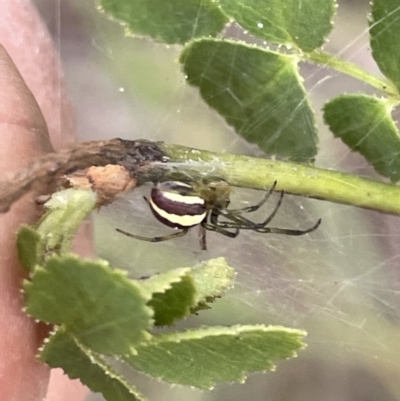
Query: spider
[[180, 205]]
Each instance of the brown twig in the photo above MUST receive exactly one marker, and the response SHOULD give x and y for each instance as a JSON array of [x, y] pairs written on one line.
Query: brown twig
[[135, 156]]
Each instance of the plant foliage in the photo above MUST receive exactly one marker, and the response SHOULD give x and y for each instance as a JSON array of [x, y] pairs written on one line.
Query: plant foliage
[[259, 91], [100, 312]]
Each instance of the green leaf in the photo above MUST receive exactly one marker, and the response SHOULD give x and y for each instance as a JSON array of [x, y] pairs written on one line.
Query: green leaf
[[180, 292], [29, 244], [172, 294], [365, 125], [61, 351], [58, 226], [284, 22], [205, 357], [384, 31], [173, 21], [101, 307], [211, 279], [258, 92]]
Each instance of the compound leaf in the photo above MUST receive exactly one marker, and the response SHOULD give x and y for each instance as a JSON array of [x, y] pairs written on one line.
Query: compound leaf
[[284, 22], [205, 357], [101, 307], [384, 28], [29, 244], [365, 125], [173, 21], [258, 92], [62, 351], [172, 295], [180, 292], [211, 279]]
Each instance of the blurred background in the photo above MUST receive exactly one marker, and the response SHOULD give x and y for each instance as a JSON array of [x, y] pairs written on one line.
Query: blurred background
[[340, 283]]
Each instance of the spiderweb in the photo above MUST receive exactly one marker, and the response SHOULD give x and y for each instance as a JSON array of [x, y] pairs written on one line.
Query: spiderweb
[[341, 283]]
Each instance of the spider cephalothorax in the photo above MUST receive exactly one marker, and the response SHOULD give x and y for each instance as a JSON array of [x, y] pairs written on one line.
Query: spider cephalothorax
[[182, 205]]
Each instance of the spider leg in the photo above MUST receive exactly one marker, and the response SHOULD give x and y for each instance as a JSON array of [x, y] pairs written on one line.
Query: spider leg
[[156, 239], [202, 238], [220, 230], [237, 221], [253, 208], [274, 230], [215, 225], [235, 224], [240, 222], [274, 212]]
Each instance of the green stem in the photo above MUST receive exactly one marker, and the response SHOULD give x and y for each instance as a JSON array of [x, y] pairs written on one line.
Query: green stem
[[296, 179], [352, 70], [56, 229], [65, 212]]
